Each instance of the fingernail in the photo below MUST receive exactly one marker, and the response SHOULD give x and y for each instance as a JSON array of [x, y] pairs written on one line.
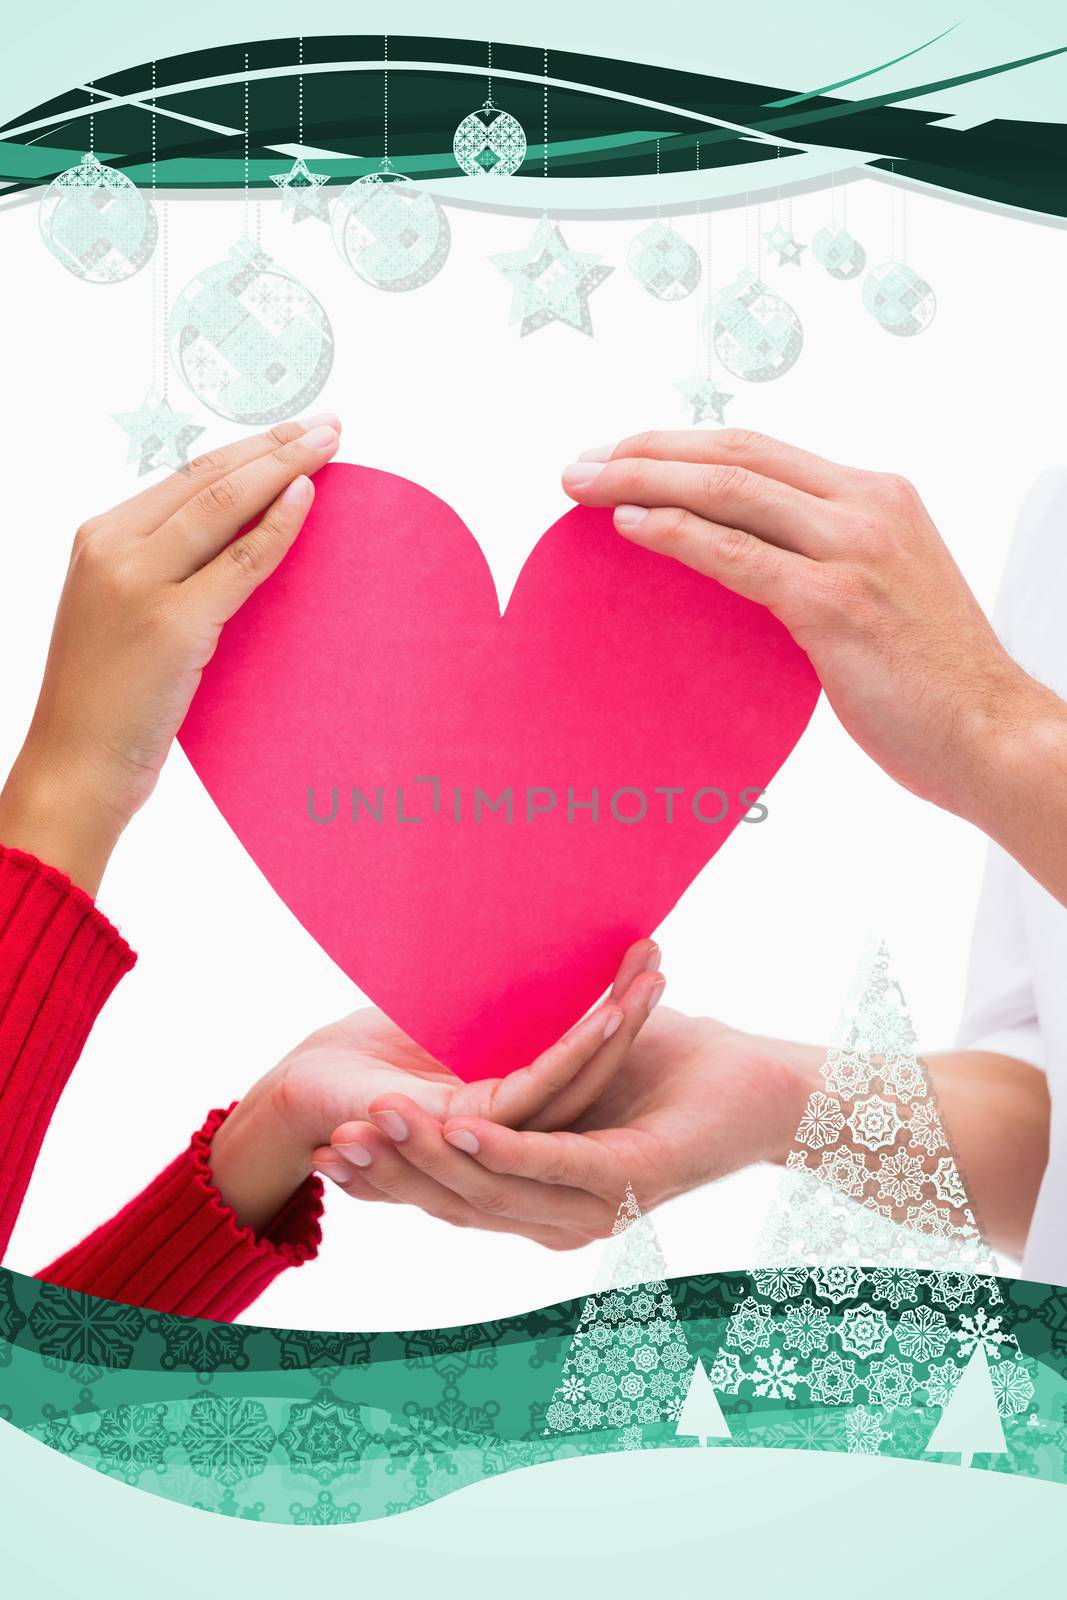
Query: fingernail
[[464, 1140], [630, 516], [336, 1174], [579, 473], [655, 956], [358, 1154], [613, 1023], [322, 419], [320, 439], [298, 493], [392, 1123], [599, 452], [655, 997]]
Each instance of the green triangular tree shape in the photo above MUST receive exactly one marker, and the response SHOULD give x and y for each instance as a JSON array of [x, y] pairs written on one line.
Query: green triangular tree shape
[[702, 1417], [970, 1422], [629, 1360]]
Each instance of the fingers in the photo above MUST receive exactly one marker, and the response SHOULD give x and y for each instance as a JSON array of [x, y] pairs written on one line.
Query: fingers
[[203, 527], [736, 559], [326, 1161], [574, 1097], [148, 510], [572, 1072], [738, 447], [224, 585], [644, 956], [728, 494], [411, 1159], [572, 1160]]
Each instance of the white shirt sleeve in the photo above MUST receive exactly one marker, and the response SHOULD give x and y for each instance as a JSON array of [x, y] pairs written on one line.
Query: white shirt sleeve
[[1000, 1010]]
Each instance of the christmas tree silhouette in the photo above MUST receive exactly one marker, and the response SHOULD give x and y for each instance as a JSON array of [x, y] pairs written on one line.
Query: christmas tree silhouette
[[629, 1360], [971, 1420], [702, 1417]]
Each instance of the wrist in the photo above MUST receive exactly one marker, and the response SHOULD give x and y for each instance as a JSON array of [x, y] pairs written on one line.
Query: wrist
[[49, 811], [791, 1074], [1016, 744], [257, 1160]]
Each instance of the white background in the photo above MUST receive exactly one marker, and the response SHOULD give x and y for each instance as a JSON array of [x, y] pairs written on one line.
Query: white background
[[437, 386]]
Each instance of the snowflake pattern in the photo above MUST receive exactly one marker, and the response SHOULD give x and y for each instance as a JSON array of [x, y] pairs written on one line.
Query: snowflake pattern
[[864, 1331], [874, 1122], [864, 1434], [822, 1121], [776, 1376]]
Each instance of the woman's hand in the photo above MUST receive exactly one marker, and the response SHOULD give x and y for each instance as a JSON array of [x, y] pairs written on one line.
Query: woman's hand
[[363, 1067], [149, 588], [852, 565], [691, 1101]]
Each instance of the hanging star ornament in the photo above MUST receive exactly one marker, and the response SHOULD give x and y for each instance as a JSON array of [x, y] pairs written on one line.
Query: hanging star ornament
[[550, 282], [159, 436], [785, 245], [302, 192], [706, 398]]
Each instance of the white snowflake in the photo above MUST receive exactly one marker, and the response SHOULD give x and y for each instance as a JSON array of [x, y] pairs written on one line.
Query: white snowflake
[[900, 1177], [779, 1283], [843, 1170], [847, 1072], [1013, 1387], [832, 1381], [726, 1373], [922, 1333], [891, 1382], [806, 1328], [948, 1185], [940, 1382], [874, 1122], [864, 1434], [837, 1283], [864, 1331], [895, 1285], [776, 1376], [749, 1327], [822, 1121], [981, 1329], [924, 1128], [905, 1078]]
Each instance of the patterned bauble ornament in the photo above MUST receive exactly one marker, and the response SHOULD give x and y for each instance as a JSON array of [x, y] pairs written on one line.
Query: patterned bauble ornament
[[97, 223], [489, 143], [835, 249], [393, 235], [251, 342], [898, 299], [754, 332], [663, 262]]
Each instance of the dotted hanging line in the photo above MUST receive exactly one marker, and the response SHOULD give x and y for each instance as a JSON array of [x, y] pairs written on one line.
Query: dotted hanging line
[[385, 96], [155, 258], [300, 94], [657, 182], [166, 289], [246, 161], [544, 158], [489, 76], [92, 123]]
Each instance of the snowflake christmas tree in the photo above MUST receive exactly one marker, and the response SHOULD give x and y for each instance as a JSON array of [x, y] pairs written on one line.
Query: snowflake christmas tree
[[629, 1361], [702, 1417], [971, 1419], [871, 1178], [878, 1287]]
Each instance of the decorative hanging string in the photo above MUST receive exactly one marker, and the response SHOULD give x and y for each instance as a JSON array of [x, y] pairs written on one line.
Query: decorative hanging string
[[544, 157], [489, 76], [300, 95], [657, 182], [159, 385], [92, 122], [385, 98]]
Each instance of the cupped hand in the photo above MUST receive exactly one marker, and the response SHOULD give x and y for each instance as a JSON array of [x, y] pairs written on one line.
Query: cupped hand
[[851, 563], [691, 1101], [363, 1067], [150, 585]]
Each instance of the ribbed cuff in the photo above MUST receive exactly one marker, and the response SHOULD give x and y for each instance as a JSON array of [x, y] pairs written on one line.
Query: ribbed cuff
[[178, 1246], [59, 961]]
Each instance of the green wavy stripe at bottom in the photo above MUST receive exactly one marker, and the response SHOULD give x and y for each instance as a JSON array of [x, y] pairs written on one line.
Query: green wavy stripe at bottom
[[293, 1426]]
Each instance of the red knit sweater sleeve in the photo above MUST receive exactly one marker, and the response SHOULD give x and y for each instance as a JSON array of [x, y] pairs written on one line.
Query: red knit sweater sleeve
[[177, 1246], [59, 961]]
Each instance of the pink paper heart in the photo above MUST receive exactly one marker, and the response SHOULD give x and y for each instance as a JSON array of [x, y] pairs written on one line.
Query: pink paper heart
[[376, 656]]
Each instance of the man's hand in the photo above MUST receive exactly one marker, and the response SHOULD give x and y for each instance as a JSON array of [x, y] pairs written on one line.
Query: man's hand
[[850, 562], [364, 1067], [692, 1100]]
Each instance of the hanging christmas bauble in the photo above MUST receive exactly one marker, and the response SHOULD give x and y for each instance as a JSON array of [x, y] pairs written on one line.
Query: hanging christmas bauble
[[489, 142], [663, 262], [250, 341], [392, 234], [755, 333], [97, 223], [835, 249], [898, 299]]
